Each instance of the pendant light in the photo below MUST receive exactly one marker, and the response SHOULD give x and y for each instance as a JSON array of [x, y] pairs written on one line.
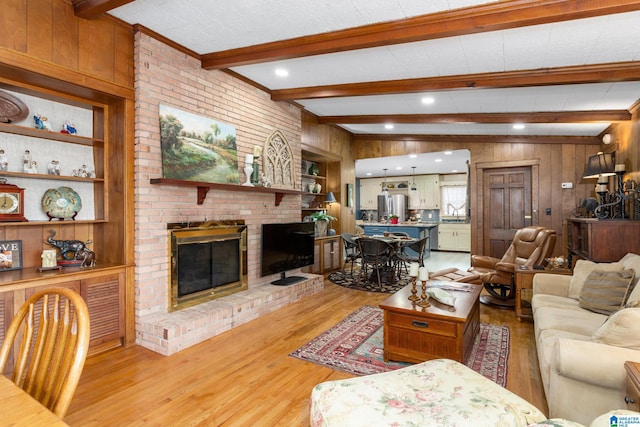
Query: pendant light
[[413, 186], [385, 191]]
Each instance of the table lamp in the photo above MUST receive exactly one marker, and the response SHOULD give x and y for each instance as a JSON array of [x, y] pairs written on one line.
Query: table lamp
[[330, 198]]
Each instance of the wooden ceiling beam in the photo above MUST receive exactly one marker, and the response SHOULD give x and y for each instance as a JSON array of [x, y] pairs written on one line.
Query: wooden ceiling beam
[[580, 74], [539, 117], [477, 19], [481, 139], [89, 9]]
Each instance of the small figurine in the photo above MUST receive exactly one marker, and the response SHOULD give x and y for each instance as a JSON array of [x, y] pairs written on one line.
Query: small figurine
[[48, 258], [53, 168], [26, 157], [34, 167], [266, 182], [38, 120], [83, 172], [4, 160], [26, 166], [42, 122], [69, 128]]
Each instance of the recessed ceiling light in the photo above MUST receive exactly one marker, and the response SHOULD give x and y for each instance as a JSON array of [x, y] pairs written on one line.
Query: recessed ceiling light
[[454, 170], [448, 153], [281, 72], [438, 160], [518, 126], [398, 168], [428, 100], [368, 173], [413, 156], [388, 126]]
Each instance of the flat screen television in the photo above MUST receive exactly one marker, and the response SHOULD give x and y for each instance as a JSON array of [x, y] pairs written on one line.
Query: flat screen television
[[286, 247]]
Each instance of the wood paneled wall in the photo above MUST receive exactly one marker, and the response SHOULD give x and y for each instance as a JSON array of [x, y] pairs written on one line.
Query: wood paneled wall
[[47, 30], [335, 143], [557, 163]]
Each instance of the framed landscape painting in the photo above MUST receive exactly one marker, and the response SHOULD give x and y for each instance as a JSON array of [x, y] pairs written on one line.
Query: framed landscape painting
[[196, 148]]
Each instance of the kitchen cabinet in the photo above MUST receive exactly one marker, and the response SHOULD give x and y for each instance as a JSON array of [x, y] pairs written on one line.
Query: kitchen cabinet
[[369, 191], [427, 194], [454, 237]]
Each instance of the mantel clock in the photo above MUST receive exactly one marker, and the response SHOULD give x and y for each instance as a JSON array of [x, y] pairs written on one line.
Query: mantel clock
[[11, 202]]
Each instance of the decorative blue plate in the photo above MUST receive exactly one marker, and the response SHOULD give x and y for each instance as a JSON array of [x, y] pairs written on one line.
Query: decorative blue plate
[[61, 203]]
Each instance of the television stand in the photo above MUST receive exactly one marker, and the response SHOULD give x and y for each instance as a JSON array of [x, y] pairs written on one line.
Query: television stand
[[288, 280]]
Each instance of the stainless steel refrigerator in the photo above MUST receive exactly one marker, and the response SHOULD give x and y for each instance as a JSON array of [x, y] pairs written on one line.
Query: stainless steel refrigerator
[[399, 203], [384, 206]]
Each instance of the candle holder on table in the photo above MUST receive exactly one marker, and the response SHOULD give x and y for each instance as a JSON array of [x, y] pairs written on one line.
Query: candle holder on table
[[413, 273], [424, 300]]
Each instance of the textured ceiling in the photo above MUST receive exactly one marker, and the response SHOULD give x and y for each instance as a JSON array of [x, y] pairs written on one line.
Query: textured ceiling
[[207, 27]]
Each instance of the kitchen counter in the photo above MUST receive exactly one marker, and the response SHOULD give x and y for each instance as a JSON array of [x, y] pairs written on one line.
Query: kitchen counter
[[401, 224], [416, 230]]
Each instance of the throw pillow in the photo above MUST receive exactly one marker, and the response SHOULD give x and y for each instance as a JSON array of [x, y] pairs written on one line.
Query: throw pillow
[[632, 261], [605, 292], [621, 329], [582, 269]]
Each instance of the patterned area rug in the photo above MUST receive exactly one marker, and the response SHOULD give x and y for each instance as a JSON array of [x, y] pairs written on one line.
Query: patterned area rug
[[344, 278], [355, 345]]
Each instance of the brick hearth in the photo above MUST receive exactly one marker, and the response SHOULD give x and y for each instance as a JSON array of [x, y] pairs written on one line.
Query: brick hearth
[[168, 333]]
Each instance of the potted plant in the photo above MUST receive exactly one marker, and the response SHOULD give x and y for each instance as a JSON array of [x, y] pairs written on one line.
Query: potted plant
[[393, 219], [321, 220]]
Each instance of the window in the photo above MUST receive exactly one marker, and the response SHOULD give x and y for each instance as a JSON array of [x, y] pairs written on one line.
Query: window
[[454, 199]]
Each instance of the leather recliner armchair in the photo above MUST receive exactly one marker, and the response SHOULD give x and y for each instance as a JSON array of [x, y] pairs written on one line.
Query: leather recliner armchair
[[530, 246]]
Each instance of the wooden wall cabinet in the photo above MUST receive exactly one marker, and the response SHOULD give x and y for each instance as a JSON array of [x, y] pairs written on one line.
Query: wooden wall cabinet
[[108, 192], [601, 240], [327, 255], [102, 290]]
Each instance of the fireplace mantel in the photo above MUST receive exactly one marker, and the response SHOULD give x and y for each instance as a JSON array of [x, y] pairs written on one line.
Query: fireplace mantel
[[203, 188]]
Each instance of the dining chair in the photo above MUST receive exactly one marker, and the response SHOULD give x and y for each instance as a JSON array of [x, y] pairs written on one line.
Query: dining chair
[[377, 256], [412, 252], [46, 345], [351, 250]]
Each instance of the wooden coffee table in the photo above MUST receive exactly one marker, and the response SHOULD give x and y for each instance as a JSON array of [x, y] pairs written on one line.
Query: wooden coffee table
[[415, 334]]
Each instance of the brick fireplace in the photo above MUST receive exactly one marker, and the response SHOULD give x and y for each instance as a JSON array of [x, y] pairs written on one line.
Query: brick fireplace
[[207, 261], [167, 76]]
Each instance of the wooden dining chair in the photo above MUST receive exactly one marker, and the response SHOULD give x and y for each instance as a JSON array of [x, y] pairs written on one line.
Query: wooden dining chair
[[46, 345]]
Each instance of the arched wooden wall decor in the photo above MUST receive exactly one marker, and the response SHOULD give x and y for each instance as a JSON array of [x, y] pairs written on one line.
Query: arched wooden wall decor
[[278, 161]]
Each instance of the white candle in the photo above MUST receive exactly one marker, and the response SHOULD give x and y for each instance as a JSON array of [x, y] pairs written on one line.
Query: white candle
[[601, 188], [413, 269], [249, 159], [257, 151], [423, 274], [620, 167]]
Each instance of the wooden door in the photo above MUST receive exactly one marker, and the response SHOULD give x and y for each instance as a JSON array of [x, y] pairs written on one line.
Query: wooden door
[[507, 206]]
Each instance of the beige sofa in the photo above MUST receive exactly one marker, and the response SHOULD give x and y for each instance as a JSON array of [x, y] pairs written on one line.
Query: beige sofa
[[581, 353]]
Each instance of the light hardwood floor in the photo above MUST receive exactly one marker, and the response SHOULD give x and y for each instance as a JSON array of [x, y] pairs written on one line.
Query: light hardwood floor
[[245, 377]]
